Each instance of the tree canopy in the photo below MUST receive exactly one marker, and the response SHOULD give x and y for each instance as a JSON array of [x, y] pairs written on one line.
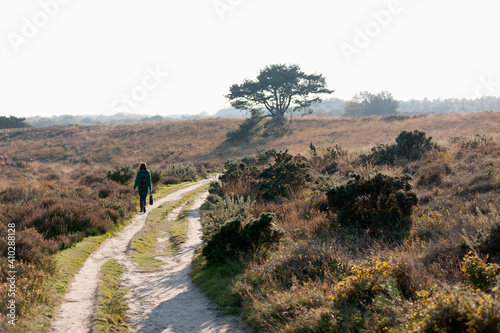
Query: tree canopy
[[278, 91], [12, 122], [367, 104]]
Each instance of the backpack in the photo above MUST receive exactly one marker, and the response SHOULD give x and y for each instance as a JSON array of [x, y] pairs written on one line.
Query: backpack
[[143, 180]]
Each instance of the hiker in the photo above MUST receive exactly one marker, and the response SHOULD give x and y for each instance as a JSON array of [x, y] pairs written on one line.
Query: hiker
[[143, 183]]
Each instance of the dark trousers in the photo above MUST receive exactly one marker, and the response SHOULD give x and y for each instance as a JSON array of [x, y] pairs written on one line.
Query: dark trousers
[[143, 195]]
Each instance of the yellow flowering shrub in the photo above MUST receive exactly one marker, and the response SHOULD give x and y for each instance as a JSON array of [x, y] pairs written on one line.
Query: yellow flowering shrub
[[459, 311], [480, 274]]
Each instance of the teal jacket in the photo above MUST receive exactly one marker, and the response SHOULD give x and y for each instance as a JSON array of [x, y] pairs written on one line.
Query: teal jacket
[[148, 178]]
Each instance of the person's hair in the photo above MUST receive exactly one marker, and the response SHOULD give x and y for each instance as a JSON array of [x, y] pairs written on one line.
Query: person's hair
[[143, 166]]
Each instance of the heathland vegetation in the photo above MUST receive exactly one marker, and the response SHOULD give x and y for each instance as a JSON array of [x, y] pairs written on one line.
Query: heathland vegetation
[[329, 107], [351, 224], [402, 237]]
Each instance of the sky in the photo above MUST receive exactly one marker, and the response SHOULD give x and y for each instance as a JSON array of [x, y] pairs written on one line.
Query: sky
[[166, 57]]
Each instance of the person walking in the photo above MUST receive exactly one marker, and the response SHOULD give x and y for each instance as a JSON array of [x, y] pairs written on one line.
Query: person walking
[[143, 183]]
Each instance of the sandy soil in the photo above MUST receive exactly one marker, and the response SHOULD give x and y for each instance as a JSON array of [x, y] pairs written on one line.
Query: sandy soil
[[162, 301]]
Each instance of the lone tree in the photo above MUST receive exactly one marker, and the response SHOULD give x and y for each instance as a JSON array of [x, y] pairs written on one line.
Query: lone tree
[[279, 90], [367, 104]]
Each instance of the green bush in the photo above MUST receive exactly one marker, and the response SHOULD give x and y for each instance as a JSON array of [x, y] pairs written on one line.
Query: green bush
[[270, 174], [243, 170], [215, 188], [233, 238], [379, 203], [157, 176], [285, 175], [183, 171], [409, 146], [122, 174], [219, 210]]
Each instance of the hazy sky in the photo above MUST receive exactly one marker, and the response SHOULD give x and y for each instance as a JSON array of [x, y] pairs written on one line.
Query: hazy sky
[[162, 57]]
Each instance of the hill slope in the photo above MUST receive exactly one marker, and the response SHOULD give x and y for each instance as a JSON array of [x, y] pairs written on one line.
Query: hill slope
[[203, 140]]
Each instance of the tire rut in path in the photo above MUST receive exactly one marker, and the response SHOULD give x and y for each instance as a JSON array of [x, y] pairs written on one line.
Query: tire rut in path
[[74, 314]]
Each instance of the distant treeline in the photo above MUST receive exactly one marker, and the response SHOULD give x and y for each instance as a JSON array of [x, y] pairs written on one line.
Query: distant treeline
[[335, 106], [12, 122], [332, 107]]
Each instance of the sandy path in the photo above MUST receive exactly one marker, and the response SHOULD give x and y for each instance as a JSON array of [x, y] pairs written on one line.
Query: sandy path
[[75, 313], [167, 301]]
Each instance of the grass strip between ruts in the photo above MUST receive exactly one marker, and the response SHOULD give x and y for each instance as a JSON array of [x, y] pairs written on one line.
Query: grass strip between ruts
[[145, 243], [110, 315]]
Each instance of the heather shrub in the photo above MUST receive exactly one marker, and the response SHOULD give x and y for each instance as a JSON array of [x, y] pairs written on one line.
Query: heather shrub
[[234, 238], [51, 177], [432, 174], [122, 174], [171, 180], [379, 203], [91, 178], [16, 195], [31, 288], [31, 246], [104, 191], [54, 223]]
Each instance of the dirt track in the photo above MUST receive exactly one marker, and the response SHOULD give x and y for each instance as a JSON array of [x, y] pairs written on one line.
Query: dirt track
[[163, 301]]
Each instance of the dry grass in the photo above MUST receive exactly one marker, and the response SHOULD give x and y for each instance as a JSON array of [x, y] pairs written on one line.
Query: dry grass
[[203, 140], [358, 134], [59, 171], [155, 143]]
